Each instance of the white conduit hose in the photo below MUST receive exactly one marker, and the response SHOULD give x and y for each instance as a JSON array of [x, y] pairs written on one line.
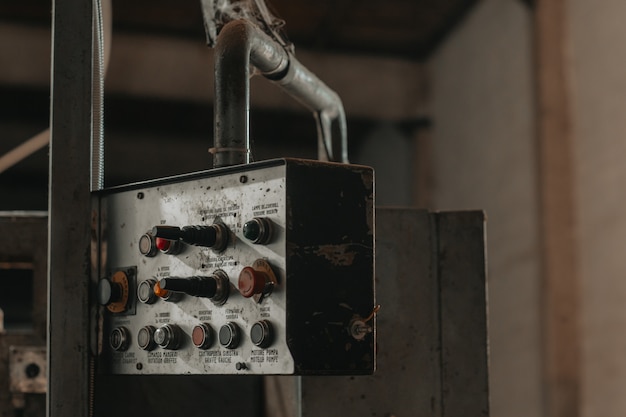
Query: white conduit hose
[[97, 135], [102, 50]]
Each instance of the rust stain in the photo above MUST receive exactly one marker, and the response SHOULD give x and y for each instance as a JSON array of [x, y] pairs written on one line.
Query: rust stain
[[339, 255]]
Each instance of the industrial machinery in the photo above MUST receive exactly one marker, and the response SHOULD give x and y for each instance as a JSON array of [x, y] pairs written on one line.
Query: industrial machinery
[[262, 268], [265, 268]]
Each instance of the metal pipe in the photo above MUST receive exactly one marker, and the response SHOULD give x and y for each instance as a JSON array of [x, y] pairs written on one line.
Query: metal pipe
[[305, 87], [239, 44], [69, 231]]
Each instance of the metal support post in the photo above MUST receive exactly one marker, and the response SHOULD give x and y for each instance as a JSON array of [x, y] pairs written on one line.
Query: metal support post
[[69, 210]]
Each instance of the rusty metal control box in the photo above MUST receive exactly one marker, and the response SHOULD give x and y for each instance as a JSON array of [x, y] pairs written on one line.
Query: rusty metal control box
[[265, 268]]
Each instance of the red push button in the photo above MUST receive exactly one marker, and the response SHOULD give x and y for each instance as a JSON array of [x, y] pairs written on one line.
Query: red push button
[[252, 281], [202, 336]]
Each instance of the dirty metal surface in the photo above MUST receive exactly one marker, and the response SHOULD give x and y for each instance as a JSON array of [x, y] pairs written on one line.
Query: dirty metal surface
[[432, 325], [321, 253], [462, 277]]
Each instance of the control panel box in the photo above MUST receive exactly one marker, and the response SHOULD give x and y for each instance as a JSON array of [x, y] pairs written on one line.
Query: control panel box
[[266, 268]]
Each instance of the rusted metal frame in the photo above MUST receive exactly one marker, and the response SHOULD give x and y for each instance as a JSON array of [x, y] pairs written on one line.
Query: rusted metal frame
[[69, 209], [561, 281]]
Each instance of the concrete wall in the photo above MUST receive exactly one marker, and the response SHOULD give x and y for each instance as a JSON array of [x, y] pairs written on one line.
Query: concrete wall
[[598, 62], [484, 157]]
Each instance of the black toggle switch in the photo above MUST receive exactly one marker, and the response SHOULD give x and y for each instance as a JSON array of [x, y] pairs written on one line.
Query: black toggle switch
[[215, 287], [214, 236], [195, 286]]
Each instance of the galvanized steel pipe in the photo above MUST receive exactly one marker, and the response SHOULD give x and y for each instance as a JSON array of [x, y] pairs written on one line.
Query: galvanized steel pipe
[[239, 44]]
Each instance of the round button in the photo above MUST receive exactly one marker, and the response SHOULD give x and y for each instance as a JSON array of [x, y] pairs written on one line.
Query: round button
[[119, 339], [147, 245], [252, 230], [145, 291], [258, 230], [261, 334], [229, 336], [109, 292], [202, 336], [114, 292], [168, 336], [145, 338], [252, 281]]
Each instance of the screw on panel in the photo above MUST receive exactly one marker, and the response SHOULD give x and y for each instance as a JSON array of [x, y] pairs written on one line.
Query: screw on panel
[[243, 179], [140, 195]]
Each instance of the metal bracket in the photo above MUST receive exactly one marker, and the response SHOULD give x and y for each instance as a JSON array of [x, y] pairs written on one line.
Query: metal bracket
[[27, 372]]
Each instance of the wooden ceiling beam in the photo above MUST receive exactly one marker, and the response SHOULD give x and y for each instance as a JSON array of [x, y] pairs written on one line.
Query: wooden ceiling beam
[[418, 26], [182, 70]]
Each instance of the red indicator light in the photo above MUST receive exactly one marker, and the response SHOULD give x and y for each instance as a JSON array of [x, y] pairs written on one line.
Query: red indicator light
[[163, 244], [202, 336], [198, 336]]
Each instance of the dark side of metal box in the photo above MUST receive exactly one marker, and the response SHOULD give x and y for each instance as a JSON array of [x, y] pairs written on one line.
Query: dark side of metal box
[[330, 267]]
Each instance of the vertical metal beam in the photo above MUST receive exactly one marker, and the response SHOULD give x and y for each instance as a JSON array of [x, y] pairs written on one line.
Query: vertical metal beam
[[561, 288], [69, 209], [461, 269]]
